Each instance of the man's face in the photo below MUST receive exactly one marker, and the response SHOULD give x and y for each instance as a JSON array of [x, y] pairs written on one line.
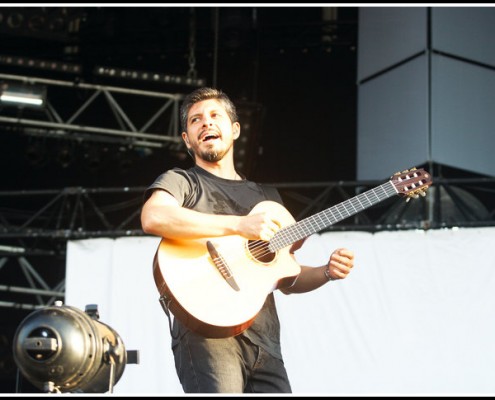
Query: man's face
[[210, 132]]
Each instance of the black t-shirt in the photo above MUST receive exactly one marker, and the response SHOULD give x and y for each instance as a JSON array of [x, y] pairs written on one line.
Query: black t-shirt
[[197, 189]]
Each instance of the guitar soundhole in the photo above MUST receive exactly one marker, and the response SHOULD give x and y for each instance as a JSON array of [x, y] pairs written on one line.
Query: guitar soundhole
[[259, 251]]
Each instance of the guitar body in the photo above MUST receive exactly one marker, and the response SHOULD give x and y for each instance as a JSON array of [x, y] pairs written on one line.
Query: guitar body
[[217, 286], [201, 297]]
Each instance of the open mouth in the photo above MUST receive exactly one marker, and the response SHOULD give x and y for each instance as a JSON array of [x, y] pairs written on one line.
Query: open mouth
[[209, 136]]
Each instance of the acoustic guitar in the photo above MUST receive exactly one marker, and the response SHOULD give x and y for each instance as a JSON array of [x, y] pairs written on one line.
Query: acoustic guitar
[[217, 286]]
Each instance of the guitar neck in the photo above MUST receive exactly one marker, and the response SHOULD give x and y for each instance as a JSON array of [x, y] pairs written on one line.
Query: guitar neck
[[317, 222]]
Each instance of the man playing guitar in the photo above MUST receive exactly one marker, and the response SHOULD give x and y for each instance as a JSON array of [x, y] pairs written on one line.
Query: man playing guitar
[[218, 263]]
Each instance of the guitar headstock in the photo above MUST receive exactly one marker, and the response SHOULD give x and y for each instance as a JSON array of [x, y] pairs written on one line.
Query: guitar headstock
[[411, 183]]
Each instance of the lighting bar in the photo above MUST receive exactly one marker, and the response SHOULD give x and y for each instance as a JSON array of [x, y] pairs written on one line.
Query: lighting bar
[[20, 94], [40, 64], [148, 76]]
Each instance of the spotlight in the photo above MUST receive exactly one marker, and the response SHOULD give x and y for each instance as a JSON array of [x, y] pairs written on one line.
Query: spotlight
[[125, 159], [15, 20], [147, 76], [65, 155], [22, 94], [36, 153], [62, 349], [93, 157], [43, 64]]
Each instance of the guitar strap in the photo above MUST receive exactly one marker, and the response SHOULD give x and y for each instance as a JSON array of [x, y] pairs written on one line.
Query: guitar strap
[[164, 302]]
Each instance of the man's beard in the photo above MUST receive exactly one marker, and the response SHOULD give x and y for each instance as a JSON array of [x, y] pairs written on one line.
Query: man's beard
[[211, 155]]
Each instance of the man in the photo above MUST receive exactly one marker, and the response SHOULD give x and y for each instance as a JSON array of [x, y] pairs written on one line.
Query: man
[[212, 200]]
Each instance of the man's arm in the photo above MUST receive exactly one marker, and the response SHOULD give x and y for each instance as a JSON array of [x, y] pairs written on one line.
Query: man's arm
[[163, 216], [339, 266]]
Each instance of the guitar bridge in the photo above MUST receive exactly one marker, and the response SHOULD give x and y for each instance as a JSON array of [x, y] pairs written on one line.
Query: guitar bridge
[[222, 266]]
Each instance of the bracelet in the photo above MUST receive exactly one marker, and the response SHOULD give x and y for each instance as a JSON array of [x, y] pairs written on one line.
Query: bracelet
[[327, 274]]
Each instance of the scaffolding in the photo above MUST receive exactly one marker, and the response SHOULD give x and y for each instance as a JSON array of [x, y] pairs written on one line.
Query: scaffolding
[[75, 110]]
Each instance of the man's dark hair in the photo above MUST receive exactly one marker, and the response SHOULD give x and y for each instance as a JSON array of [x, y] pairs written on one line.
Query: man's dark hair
[[206, 93]]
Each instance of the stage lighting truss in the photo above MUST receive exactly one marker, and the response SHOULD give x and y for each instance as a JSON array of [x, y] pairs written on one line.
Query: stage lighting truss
[[87, 112]]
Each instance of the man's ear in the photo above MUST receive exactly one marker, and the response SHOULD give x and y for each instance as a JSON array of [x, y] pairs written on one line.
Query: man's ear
[[236, 130], [185, 138]]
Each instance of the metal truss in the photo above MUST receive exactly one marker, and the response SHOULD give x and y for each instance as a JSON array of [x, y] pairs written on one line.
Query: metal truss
[[36, 225], [82, 111], [462, 202]]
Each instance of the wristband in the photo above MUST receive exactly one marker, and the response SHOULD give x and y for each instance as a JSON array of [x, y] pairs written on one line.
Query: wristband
[[327, 275]]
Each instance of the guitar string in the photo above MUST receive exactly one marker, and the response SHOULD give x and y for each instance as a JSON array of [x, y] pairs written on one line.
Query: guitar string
[[317, 222], [291, 233], [362, 201]]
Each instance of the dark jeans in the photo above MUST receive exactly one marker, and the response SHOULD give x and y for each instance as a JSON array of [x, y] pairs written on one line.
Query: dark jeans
[[230, 365]]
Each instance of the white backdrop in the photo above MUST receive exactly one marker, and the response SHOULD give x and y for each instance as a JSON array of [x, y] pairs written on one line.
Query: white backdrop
[[416, 315]]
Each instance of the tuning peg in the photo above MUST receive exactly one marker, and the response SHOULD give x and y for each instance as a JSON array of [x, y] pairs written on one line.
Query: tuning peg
[[422, 193]]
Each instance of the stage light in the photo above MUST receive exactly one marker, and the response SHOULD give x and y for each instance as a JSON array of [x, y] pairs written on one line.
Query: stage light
[[36, 152], [147, 76], [41, 64], [62, 349], [21, 94], [66, 154]]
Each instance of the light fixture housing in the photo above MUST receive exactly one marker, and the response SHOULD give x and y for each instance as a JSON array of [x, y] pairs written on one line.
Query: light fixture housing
[[61, 349], [22, 94]]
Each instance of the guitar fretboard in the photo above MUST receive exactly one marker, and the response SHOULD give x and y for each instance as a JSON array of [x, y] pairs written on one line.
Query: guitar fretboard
[[317, 222]]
